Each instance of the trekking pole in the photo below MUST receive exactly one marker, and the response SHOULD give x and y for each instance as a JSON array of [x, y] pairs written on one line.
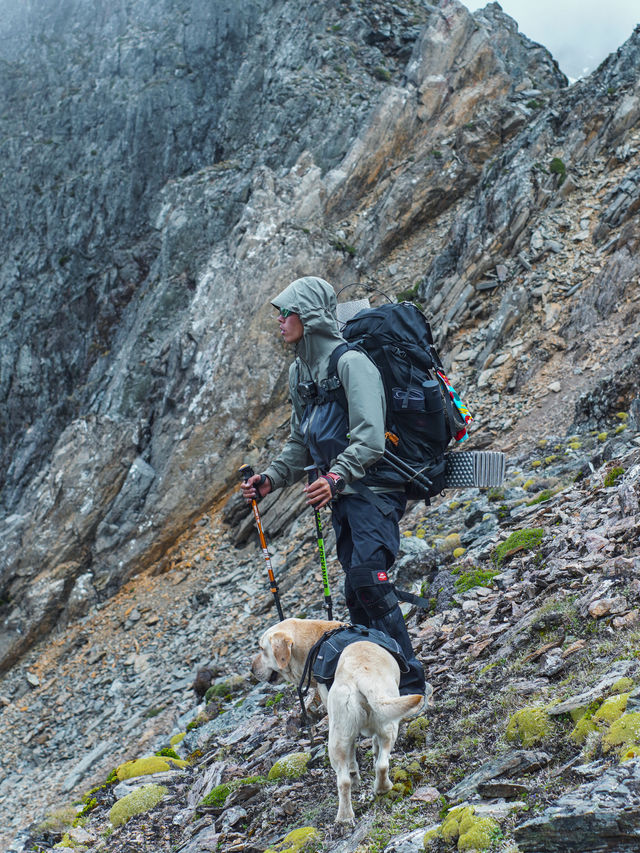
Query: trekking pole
[[312, 473], [404, 468], [246, 471]]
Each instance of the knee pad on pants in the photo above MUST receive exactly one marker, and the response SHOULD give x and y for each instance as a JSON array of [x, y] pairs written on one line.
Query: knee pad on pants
[[373, 590]]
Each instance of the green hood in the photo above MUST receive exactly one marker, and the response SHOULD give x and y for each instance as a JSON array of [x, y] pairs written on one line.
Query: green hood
[[314, 300]]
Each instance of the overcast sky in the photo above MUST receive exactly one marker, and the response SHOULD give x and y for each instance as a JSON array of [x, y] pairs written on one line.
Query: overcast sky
[[578, 33]]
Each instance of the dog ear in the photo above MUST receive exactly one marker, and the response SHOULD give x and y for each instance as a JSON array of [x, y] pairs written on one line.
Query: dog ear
[[281, 644]]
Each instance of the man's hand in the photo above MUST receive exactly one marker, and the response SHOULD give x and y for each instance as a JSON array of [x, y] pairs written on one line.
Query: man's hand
[[322, 490], [256, 487], [318, 493]]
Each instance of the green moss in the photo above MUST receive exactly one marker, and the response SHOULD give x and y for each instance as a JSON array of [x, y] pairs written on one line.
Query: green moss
[[90, 804], [226, 687], [459, 552], [218, 795], [302, 840], [520, 540], [275, 700], [291, 766], [167, 752], [623, 733], [620, 428], [147, 766], [402, 782], [176, 739], [583, 728], [431, 837], [622, 685], [137, 802], [529, 726], [468, 829], [602, 436], [382, 73], [449, 543], [612, 708], [68, 843], [474, 577], [544, 495], [557, 167], [613, 476]]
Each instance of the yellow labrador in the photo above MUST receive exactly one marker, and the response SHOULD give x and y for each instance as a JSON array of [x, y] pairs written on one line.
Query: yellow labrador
[[363, 698]]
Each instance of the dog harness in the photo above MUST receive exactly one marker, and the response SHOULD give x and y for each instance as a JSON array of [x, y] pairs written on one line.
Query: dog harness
[[322, 660]]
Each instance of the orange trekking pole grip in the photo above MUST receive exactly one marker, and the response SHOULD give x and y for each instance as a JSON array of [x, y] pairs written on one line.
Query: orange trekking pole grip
[[246, 471]]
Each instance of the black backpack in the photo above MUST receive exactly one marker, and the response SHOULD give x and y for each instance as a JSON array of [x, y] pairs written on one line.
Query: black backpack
[[422, 415], [323, 657]]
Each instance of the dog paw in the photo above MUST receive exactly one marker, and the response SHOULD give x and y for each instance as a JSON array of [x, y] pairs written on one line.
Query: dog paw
[[346, 822]]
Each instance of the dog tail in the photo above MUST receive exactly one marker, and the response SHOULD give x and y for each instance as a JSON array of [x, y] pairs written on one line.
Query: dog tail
[[396, 707]]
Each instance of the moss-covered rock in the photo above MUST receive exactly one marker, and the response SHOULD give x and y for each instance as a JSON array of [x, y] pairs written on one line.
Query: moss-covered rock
[[299, 840], [176, 739], [218, 795], [612, 708], [449, 543], [291, 766], [147, 766], [624, 734], [227, 686], [472, 578], [137, 802], [468, 829], [529, 726], [582, 729], [622, 685], [520, 540], [417, 730]]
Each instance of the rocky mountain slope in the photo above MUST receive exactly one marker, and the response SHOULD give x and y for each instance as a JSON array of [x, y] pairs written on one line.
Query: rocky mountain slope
[[459, 171]]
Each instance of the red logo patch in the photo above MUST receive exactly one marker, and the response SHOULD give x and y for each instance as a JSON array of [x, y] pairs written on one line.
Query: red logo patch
[[382, 576]]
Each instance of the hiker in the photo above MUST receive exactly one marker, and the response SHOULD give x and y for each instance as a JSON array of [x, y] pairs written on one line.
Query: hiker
[[366, 512]]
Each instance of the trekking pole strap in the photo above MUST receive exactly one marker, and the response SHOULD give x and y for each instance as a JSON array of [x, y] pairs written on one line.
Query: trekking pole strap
[[412, 598]]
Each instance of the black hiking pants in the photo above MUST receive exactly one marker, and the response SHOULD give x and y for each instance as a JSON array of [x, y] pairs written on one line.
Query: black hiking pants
[[367, 542]]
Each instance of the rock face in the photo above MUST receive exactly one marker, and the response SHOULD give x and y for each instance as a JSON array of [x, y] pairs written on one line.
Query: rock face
[[167, 166]]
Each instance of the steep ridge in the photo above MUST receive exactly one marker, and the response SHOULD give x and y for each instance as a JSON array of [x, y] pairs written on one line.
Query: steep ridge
[[530, 275], [173, 371]]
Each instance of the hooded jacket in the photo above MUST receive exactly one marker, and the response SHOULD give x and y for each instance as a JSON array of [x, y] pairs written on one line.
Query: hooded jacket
[[359, 439]]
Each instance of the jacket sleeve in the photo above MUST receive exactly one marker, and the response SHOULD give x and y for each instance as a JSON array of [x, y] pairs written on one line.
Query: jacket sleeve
[[363, 387], [289, 466]]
